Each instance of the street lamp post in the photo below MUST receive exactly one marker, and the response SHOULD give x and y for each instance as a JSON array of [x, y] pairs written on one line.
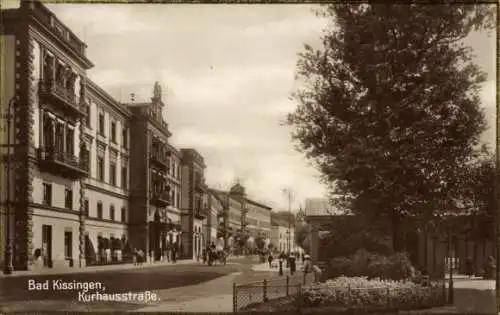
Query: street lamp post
[[8, 268], [288, 193], [450, 271]]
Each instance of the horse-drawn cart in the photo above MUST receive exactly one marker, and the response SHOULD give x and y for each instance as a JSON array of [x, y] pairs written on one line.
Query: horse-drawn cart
[[214, 256]]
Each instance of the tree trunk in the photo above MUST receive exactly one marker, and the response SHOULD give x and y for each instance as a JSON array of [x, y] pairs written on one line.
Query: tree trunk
[[397, 234]]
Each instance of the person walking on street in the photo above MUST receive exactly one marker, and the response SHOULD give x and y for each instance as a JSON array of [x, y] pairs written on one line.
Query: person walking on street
[[292, 264], [281, 264], [270, 260], [469, 267], [307, 264], [174, 253]]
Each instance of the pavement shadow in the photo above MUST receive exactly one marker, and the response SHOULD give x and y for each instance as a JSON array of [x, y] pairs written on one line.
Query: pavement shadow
[[474, 301]]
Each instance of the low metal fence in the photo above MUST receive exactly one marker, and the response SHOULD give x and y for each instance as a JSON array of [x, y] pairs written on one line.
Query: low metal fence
[[358, 300], [269, 289]]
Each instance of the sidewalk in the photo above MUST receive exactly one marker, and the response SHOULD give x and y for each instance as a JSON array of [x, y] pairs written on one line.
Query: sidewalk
[[265, 267], [217, 297], [57, 271]]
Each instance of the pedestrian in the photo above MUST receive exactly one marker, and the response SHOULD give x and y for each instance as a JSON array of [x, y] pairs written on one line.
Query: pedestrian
[[270, 260], [174, 253], [281, 265], [169, 246], [136, 257], [307, 263], [204, 253], [292, 264], [141, 257], [469, 267]]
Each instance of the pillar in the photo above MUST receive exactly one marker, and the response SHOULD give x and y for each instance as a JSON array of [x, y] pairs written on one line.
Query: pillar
[[314, 241]]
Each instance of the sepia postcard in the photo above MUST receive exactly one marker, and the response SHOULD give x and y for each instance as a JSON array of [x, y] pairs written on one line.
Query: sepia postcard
[[298, 158]]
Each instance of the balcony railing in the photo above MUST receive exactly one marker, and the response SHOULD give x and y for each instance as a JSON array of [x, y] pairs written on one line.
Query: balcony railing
[[201, 213], [61, 162], [200, 186], [65, 98], [160, 158], [160, 199]]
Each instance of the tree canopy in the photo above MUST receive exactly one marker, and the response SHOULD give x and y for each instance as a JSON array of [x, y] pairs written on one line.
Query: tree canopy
[[389, 106]]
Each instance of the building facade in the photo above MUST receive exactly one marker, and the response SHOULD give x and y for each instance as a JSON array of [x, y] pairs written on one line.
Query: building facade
[[150, 185], [194, 203], [214, 225], [283, 236], [44, 71], [86, 179], [106, 149], [242, 218]]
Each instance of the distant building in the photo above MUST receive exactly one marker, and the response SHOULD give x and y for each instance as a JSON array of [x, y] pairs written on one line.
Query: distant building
[[194, 203], [283, 236], [213, 227], [242, 216]]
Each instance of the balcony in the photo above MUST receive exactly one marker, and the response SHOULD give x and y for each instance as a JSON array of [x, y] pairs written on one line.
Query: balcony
[[63, 163], [51, 91], [200, 187], [201, 213], [160, 159], [160, 199]]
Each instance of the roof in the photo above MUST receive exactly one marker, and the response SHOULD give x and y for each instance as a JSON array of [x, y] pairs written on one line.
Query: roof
[[278, 222], [258, 204], [320, 207]]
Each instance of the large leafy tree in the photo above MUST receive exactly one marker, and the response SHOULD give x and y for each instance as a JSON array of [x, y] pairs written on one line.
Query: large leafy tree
[[477, 198], [389, 106]]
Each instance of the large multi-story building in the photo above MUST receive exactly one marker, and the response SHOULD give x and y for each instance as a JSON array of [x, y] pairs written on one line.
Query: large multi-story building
[[84, 177], [242, 217], [150, 189], [214, 225], [44, 78], [194, 203], [105, 147]]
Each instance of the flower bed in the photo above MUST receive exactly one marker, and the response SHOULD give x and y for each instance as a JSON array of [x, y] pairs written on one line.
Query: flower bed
[[345, 295], [360, 292]]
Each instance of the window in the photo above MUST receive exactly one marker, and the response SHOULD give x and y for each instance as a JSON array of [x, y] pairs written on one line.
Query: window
[[113, 132], [100, 168], [112, 213], [85, 157], [99, 210], [101, 124], [112, 174], [178, 200], [47, 194], [68, 198], [68, 244], [86, 207], [125, 137], [124, 215], [87, 120], [124, 177], [70, 141]]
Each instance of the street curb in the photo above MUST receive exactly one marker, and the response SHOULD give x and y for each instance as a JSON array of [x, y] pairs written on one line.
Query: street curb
[[96, 269]]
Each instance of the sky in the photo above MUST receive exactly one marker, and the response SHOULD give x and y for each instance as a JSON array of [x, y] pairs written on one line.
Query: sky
[[227, 72]]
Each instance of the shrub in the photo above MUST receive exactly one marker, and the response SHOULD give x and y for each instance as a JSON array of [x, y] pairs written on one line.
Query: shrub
[[364, 263], [361, 292]]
